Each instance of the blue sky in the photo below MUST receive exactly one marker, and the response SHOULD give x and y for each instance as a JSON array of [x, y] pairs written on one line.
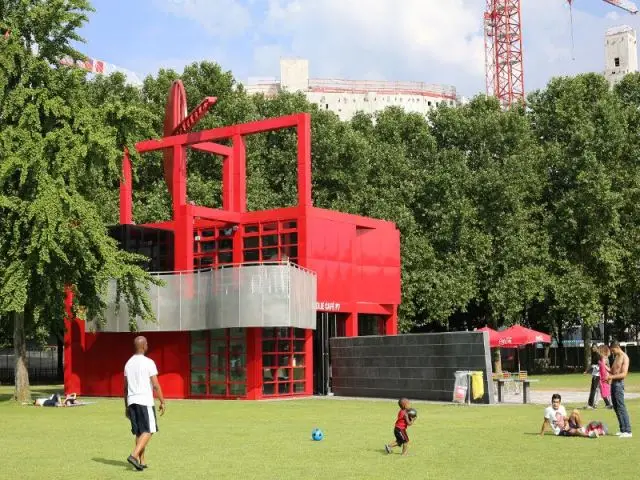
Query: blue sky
[[435, 41]]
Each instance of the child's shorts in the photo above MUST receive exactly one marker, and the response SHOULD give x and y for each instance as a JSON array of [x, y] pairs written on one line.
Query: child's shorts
[[401, 435]]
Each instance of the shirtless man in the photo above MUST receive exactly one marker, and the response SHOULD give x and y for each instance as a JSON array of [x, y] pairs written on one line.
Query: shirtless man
[[619, 371]]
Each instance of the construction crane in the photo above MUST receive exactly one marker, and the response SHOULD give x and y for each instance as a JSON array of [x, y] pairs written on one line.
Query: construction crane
[[503, 48]]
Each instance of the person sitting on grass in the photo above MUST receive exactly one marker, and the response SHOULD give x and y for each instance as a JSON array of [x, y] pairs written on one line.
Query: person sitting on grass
[[555, 417]]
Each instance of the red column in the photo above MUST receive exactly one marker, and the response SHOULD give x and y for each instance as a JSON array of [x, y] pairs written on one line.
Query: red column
[[179, 179], [304, 161], [391, 322], [308, 362], [73, 347], [239, 174], [183, 239], [351, 329], [227, 183], [254, 363], [126, 191]]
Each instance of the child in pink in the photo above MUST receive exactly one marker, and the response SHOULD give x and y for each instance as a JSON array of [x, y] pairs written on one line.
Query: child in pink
[[605, 387]]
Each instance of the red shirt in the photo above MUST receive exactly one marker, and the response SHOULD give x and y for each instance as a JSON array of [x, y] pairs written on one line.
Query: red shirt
[[401, 421]]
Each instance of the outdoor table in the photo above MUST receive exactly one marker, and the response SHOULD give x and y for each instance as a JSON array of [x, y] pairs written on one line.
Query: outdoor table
[[526, 383]]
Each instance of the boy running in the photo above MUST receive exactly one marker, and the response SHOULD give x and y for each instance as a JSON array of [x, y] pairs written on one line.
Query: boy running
[[403, 420]]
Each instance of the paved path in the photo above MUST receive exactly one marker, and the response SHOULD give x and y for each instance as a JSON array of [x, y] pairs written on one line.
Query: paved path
[[576, 398]]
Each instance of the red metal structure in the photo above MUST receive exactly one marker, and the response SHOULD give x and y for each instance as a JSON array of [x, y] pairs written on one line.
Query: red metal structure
[[503, 51], [503, 48], [356, 259]]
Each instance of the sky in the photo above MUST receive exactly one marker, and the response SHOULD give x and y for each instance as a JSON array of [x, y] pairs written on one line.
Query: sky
[[434, 41]]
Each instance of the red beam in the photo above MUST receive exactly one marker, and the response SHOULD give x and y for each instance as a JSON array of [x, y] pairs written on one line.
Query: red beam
[[126, 191], [221, 133], [216, 214], [195, 116], [210, 147]]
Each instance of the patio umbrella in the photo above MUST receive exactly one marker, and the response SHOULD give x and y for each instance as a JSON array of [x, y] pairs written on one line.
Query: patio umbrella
[[517, 336], [494, 336]]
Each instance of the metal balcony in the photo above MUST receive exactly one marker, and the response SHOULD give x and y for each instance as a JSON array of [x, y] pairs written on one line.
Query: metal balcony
[[246, 295]]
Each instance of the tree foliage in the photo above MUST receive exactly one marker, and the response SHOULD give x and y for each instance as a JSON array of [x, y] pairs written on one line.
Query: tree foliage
[[61, 141]]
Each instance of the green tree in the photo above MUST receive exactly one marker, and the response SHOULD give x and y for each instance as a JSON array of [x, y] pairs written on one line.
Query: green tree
[[56, 149], [583, 129]]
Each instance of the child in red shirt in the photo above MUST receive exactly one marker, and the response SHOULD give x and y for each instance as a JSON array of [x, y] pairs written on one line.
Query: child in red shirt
[[400, 428]]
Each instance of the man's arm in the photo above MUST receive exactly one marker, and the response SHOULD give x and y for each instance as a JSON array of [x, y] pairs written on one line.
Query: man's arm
[[125, 393], [158, 389], [624, 369], [545, 422]]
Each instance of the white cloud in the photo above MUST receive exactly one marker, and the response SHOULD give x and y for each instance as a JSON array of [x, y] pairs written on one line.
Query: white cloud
[[436, 41], [218, 17]]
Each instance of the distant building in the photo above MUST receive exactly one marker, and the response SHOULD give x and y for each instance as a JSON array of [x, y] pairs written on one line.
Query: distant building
[[346, 97], [621, 53]]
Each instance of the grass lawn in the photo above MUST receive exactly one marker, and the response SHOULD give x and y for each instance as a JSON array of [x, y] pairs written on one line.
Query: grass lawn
[[579, 382], [272, 440]]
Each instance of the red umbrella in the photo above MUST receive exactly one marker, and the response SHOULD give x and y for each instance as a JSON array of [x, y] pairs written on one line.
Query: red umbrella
[[494, 336], [518, 336]]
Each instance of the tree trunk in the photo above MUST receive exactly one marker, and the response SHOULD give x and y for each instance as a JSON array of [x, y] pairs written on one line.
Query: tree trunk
[[497, 361], [586, 351], [22, 391], [561, 350], [60, 359]]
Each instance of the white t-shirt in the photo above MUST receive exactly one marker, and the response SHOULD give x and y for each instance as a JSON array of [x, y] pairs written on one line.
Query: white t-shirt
[[556, 418], [139, 370]]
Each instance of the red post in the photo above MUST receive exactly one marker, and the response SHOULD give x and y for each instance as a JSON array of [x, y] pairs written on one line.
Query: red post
[[254, 363], [183, 238], [126, 191], [391, 322], [304, 160], [351, 325], [308, 362], [179, 179], [239, 174], [227, 183]]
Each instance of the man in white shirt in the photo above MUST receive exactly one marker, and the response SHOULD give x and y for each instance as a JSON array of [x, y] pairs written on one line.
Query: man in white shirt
[[555, 416], [140, 379]]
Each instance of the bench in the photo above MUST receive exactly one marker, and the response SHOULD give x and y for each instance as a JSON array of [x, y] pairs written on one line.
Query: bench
[[526, 384]]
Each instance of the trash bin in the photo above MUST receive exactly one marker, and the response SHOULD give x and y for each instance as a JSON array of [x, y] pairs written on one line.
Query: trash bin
[[477, 384], [461, 386]]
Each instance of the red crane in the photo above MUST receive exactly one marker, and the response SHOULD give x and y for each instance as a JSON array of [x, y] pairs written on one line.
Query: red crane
[[503, 48]]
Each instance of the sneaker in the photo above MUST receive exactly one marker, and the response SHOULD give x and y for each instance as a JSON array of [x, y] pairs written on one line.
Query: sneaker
[[618, 434], [593, 434], [626, 435], [134, 461], [387, 448]]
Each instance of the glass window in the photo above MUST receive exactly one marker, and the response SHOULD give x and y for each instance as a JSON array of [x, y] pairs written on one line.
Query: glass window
[[289, 238], [288, 224], [239, 389], [219, 389], [198, 389], [251, 229], [269, 254], [251, 242], [269, 227], [225, 257], [207, 246], [269, 240], [198, 362], [225, 244], [251, 255], [290, 251]]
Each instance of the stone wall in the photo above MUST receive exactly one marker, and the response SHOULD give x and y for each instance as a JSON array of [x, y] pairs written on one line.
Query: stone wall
[[418, 366]]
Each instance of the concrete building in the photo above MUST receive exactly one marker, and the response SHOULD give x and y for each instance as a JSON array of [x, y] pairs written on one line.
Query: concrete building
[[621, 53], [346, 97]]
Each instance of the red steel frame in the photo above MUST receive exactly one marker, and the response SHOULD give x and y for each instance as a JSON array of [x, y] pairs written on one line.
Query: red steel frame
[[503, 51], [356, 258]]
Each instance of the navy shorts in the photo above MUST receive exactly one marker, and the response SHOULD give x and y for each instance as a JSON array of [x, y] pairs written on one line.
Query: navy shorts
[[401, 435], [143, 419]]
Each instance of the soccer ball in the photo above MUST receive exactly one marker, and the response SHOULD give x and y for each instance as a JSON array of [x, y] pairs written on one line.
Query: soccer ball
[[412, 412], [317, 434]]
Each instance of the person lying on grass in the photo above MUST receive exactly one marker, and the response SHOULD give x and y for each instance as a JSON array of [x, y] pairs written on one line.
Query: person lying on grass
[[55, 400], [555, 417]]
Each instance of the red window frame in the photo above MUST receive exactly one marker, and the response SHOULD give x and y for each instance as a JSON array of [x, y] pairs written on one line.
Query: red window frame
[[266, 248], [283, 361], [218, 382]]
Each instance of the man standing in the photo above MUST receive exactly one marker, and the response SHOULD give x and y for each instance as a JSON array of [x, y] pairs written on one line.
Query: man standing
[[595, 377], [619, 371], [140, 376]]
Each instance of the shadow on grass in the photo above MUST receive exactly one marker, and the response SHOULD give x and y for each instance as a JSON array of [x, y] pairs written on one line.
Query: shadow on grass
[[36, 392], [113, 463]]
